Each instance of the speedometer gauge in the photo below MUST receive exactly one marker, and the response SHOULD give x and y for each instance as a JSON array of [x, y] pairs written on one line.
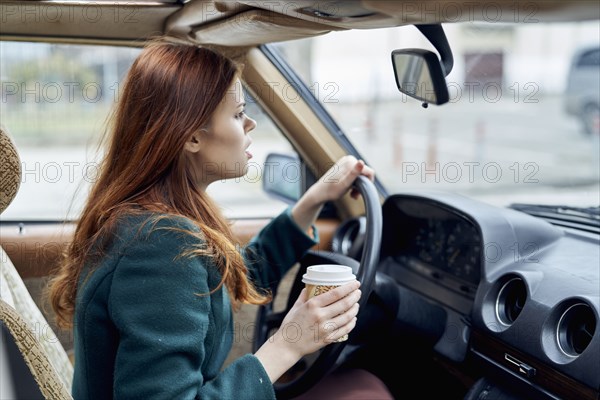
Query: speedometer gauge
[[430, 242], [463, 248]]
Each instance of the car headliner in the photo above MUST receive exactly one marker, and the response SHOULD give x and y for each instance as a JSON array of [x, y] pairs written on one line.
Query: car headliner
[[248, 23]]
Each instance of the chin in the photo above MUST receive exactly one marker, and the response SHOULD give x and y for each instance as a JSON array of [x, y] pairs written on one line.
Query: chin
[[240, 170], [251, 171]]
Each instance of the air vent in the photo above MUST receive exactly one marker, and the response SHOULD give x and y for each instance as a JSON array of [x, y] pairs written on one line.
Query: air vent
[[575, 329], [511, 300]]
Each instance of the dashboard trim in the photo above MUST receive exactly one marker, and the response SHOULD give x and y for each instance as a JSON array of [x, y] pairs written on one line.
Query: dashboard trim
[[545, 379]]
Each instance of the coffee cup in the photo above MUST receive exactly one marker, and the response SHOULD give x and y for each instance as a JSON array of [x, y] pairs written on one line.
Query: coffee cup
[[324, 277]]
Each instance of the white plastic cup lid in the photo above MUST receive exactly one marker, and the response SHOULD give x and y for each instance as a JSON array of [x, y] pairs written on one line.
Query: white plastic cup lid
[[328, 274]]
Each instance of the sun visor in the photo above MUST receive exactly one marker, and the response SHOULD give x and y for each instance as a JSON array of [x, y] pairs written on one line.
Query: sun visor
[[256, 27]]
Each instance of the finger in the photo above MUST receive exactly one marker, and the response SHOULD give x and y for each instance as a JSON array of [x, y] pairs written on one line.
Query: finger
[[344, 171], [337, 333], [359, 166], [348, 307], [343, 305], [353, 172], [301, 298], [334, 295], [347, 158], [351, 176], [345, 317], [368, 171]]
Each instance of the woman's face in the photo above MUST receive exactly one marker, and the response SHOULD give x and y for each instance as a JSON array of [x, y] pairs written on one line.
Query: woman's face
[[221, 150]]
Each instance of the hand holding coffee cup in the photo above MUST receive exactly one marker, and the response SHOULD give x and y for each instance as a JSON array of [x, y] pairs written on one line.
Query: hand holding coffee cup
[[324, 277]]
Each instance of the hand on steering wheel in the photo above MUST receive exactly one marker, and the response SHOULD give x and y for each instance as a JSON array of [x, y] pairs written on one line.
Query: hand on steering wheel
[[267, 320]]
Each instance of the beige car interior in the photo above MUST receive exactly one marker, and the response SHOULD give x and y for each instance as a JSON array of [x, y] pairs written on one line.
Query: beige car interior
[[246, 23], [27, 338], [235, 28]]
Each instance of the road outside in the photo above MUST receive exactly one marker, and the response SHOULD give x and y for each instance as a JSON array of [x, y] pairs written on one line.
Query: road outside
[[478, 149]]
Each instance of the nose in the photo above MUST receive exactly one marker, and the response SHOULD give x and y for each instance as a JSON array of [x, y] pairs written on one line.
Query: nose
[[249, 125]]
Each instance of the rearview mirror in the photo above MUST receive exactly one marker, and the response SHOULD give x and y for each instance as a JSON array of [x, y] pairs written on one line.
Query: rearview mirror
[[419, 75]]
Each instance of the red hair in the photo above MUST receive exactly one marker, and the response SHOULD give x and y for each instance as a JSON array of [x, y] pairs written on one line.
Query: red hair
[[171, 92]]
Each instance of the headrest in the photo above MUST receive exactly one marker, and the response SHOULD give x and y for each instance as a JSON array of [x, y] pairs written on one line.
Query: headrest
[[10, 170]]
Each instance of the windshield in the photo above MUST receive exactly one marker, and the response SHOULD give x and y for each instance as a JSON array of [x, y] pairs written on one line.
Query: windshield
[[521, 125]]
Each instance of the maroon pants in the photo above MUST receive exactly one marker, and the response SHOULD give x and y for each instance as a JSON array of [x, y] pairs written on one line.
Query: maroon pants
[[349, 384]]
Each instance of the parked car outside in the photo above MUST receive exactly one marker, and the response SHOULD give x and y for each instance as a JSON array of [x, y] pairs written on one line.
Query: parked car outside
[[582, 94]]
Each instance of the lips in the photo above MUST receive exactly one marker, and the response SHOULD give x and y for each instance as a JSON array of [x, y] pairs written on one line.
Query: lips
[[248, 154]]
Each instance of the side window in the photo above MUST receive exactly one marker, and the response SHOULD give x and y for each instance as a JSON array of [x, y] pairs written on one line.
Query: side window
[[55, 100]]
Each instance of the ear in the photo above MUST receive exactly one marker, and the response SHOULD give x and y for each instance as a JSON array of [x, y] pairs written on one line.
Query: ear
[[193, 144]]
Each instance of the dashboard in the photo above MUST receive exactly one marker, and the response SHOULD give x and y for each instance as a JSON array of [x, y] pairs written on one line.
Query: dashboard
[[521, 294], [435, 242]]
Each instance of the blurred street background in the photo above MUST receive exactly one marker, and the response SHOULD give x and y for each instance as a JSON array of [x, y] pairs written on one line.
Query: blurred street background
[[504, 137]]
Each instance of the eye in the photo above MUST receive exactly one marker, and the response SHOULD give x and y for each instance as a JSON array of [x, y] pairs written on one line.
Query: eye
[[241, 114]]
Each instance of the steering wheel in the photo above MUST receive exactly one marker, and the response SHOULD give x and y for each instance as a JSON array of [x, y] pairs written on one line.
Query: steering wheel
[[267, 320]]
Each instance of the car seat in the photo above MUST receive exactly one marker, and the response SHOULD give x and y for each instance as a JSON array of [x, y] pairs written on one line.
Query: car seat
[[30, 367]]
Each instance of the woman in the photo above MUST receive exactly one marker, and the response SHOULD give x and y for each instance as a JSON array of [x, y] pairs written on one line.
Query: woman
[[153, 272]]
